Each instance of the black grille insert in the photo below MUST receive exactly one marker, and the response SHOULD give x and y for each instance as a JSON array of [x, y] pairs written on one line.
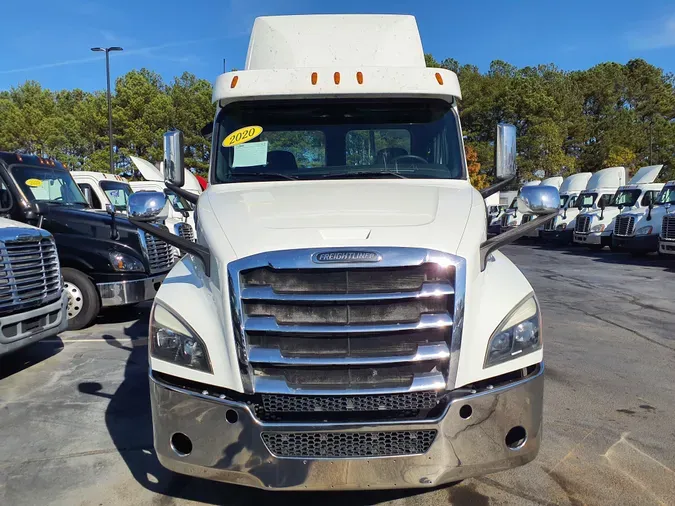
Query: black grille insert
[[348, 444]]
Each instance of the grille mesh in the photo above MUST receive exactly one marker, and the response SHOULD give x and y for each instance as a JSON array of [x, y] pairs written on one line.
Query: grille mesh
[[307, 403], [185, 231], [583, 224], [29, 273], [624, 225], [160, 254], [348, 444], [550, 225], [668, 227]]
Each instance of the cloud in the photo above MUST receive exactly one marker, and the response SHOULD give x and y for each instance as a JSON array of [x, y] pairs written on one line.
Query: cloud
[[145, 51], [654, 35]]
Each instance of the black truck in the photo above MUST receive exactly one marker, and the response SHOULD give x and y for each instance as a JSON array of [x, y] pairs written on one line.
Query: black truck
[[105, 260]]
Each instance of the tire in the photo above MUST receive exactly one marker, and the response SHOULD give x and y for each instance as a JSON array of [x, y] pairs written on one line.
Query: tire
[[84, 302]]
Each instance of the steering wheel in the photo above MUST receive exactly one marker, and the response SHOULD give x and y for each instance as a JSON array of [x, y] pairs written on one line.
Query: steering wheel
[[415, 157]]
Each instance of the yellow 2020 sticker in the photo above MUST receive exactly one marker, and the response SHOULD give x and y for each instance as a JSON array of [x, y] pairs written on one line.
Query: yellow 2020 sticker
[[33, 183], [242, 135]]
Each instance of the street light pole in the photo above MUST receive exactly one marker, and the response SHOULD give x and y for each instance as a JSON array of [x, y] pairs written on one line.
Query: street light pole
[[107, 73]]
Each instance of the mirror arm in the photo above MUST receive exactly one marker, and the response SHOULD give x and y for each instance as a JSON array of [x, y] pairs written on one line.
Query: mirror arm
[[189, 196], [184, 245], [508, 237], [486, 192]]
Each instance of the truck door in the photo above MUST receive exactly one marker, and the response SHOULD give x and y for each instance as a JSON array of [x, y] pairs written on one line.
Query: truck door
[[95, 201]]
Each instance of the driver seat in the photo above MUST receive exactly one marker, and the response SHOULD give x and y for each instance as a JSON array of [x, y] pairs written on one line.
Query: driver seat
[[386, 155]]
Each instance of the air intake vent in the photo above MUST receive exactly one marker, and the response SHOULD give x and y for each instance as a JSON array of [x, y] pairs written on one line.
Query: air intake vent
[[348, 444], [624, 225]]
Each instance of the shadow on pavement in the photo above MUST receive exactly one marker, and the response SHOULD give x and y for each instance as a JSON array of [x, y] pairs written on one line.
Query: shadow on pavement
[[129, 422], [24, 358]]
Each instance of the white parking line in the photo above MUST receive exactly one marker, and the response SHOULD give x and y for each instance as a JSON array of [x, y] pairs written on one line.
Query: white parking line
[[99, 340]]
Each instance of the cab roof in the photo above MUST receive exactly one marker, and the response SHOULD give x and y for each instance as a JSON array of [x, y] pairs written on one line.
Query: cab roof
[[13, 158]]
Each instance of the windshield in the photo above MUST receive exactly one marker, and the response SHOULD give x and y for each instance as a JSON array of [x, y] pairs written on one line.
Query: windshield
[[586, 200], [626, 198], [117, 193], [563, 200], [178, 203], [46, 184], [331, 138], [667, 196]]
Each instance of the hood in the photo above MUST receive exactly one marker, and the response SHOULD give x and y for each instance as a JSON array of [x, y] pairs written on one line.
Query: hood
[[575, 183], [258, 217], [646, 175], [93, 222], [611, 177], [147, 170]]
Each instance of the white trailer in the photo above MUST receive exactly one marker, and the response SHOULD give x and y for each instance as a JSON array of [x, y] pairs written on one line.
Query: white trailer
[[313, 337]]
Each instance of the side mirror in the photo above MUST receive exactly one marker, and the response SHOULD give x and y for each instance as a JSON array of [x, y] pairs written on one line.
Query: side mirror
[[87, 195], [109, 208], [173, 158], [147, 206], [505, 151], [539, 200], [601, 204]]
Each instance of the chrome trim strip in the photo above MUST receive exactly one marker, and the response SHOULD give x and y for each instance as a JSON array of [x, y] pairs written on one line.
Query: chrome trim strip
[[269, 324], [119, 293], [267, 293], [275, 357], [420, 383]]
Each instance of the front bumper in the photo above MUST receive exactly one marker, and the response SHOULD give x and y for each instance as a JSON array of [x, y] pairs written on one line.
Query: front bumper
[[235, 452], [593, 239], [119, 293], [21, 329], [559, 236], [642, 243], [666, 247]]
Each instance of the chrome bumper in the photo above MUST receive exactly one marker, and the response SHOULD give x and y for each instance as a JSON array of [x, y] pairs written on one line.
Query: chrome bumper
[[129, 292], [235, 452], [21, 329], [666, 246]]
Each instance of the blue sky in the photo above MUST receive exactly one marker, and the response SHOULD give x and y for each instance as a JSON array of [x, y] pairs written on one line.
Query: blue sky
[[50, 42]]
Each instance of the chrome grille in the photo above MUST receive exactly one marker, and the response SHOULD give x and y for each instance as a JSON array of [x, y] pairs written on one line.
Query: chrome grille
[[414, 401], [348, 444], [505, 220], [313, 329], [550, 225], [624, 225], [185, 231], [668, 228], [160, 254], [527, 218], [583, 224], [29, 273]]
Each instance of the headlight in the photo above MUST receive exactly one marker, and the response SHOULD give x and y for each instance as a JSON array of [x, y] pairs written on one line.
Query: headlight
[[174, 341], [125, 263], [644, 230], [597, 228], [517, 335], [562, 226]]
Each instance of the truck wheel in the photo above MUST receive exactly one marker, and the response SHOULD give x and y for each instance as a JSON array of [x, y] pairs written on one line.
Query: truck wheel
[[83, 300]]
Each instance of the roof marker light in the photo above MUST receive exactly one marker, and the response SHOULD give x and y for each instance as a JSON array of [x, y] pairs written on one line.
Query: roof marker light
[[234, 82], [359, 77], [336, 78], [439, 78], [18, 157], [315, 77]]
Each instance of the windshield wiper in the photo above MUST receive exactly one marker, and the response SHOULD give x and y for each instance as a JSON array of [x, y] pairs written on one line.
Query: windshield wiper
[[264, 175], [363, 173]]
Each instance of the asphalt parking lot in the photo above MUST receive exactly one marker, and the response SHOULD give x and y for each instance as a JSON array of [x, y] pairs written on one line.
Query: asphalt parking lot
[[75, 423]]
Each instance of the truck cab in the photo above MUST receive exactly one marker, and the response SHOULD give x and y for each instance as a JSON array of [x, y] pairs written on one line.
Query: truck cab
[[33, 305], [592, 228], [102, 189], [663, 219], [560, 229], [342, 321], [105, 260]]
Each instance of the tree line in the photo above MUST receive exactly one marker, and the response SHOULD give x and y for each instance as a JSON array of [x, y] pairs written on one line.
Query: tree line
[[610, 114]]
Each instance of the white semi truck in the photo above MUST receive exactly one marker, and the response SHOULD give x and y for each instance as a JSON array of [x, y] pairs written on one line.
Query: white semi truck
[[638, 231], [33, 305], [599, 194], [102, 190], [560, 229], [608, 219], [666, 216], [342, 322]]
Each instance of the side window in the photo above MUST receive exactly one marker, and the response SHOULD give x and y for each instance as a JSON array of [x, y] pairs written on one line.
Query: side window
[[648, 198], [376, 147], [5, 197], [607, 199], [294, 149], [95, 201]]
